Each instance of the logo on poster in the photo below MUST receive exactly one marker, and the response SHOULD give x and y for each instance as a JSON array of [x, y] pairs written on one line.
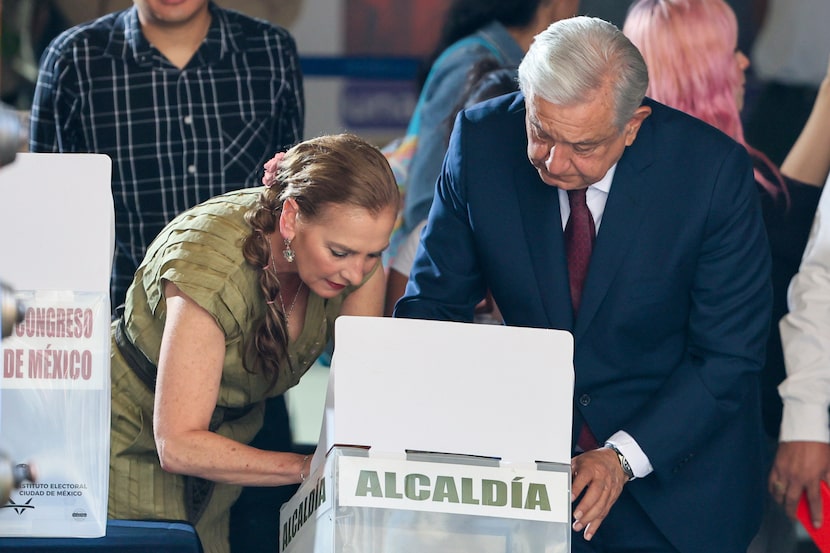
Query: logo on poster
[[19, 508]]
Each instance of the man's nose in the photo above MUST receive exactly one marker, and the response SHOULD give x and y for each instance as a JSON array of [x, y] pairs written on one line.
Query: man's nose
[[557, 160]]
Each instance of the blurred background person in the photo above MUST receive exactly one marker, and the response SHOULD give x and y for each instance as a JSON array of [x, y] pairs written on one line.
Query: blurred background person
[[690, 47], [472, 30], [487, 79], [802, 463], [188, 99], [789, 60]]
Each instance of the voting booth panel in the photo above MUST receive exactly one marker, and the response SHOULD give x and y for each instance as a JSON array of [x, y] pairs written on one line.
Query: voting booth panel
[[56, 245], [458, 443]]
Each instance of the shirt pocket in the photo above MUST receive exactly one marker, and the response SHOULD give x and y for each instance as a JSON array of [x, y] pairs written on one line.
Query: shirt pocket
[[245, 144]]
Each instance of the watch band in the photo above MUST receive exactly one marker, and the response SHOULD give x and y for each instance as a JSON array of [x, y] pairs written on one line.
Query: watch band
[[626, 467]]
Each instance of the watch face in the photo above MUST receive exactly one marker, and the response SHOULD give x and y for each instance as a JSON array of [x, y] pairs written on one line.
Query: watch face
[[626, 467]]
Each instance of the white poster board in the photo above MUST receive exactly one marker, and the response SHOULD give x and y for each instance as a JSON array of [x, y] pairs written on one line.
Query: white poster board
[[56, 245], [494, 391]]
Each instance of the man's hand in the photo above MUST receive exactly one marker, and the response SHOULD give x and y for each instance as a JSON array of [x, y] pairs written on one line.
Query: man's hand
[[800, 467], [598, 473]]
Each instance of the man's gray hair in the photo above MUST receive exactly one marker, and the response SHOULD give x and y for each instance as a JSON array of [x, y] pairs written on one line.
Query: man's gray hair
[[576, 56]]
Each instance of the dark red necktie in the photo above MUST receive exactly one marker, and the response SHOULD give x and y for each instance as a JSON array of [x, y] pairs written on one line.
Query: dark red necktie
[[579, 242], [586, 440]]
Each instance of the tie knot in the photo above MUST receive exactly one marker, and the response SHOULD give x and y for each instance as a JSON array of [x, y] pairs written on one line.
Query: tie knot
[[577, 197]]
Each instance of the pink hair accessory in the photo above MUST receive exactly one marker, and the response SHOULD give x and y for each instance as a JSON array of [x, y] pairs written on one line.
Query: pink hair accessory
[[271, 168]]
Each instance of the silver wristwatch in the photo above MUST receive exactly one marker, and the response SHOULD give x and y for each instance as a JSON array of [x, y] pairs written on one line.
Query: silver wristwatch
[[623, 461]]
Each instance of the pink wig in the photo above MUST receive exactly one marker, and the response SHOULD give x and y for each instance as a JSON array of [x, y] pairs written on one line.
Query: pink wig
[[689, 47]]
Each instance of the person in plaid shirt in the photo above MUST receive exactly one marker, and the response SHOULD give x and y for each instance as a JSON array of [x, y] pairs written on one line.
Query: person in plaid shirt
[[188, 99]]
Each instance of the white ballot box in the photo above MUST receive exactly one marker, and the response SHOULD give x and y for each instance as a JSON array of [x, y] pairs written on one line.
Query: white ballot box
[[441, 437], [56, 246]]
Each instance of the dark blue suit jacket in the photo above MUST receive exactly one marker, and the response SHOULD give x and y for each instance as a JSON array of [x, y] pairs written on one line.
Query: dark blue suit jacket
[[670, 337]]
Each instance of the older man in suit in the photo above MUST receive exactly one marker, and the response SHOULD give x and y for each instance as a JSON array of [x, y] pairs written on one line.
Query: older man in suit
[[638, 229]]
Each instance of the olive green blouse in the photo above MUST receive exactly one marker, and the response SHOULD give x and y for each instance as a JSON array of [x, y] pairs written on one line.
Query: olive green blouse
[[201, 252]]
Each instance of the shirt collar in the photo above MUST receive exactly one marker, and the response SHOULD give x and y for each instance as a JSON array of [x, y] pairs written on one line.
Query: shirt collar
[[221, 38], [596, 197], [604, 184]]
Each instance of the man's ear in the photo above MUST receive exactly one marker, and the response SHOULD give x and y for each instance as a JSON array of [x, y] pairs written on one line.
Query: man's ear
[[288, 218], [633, 125]]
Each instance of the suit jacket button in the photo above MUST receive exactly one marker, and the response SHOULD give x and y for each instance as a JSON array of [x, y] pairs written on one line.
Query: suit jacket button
[[584, 400]]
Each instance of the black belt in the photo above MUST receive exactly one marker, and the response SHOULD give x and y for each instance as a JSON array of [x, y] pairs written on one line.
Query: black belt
[[143, 368]]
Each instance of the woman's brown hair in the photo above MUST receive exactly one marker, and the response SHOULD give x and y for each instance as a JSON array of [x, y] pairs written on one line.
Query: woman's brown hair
[[340, 169]]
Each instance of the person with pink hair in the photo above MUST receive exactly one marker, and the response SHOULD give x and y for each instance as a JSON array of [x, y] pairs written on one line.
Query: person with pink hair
[[694, 65]]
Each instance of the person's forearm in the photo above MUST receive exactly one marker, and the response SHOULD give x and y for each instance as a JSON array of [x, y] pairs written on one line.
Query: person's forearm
[[213, 457], [809, 158]]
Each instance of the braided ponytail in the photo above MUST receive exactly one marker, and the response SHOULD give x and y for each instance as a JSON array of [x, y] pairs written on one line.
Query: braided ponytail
[[329, 170], [271, 338]]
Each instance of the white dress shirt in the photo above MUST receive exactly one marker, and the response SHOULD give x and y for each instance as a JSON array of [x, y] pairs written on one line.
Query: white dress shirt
[[805, 336], [595, 197]]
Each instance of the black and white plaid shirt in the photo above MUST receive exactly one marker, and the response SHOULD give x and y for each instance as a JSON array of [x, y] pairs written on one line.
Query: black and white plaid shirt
[[176, 137]]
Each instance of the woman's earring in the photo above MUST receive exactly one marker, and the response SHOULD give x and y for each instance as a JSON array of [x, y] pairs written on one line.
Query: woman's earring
[[288, 253]]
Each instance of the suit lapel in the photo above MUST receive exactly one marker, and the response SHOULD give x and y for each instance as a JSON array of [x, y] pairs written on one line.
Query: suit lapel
[[624, 211], [543, 234], [620, 222], [542, 224]]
